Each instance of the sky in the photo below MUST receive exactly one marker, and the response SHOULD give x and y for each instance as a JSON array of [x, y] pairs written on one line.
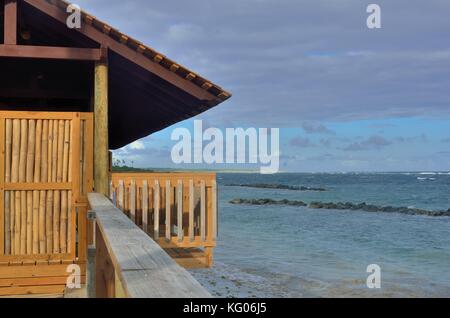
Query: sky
[[345, 97]]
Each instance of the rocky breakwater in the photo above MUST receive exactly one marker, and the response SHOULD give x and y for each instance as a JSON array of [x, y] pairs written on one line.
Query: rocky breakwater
[[342, 206]]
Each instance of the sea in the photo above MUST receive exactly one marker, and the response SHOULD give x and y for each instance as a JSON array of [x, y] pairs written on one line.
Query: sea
[[287, 251]]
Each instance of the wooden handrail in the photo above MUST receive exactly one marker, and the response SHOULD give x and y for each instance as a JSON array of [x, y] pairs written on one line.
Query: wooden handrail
[[130, 264]]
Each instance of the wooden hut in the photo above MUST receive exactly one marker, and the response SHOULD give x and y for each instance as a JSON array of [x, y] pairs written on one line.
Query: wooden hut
[[67, 97]]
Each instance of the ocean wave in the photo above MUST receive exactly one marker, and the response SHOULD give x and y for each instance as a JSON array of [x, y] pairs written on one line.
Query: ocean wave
[[276, 186]]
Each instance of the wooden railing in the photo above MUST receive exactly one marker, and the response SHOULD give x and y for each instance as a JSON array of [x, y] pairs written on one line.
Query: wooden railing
[[45, 174], [129, 264], [178, 210]]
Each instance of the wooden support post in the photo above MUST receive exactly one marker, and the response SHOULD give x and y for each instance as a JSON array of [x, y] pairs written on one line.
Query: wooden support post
[[10, 26], [101, 142]]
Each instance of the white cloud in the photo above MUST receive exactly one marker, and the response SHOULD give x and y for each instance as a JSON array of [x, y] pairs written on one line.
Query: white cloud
[[137, 145]]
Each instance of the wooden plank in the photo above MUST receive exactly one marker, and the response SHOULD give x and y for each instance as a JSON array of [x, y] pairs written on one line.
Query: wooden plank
[[10, 22], [180, 210], [145, 206], [27, 115], [29, 290], [120, 195], [101, 142], [48, 52], [156, 210], [144, 269], [3, 219], [133, 201], [7, 178], [191, 210], [214, 208], [203, 210], [38, 186], [34, 281], [168, 210]]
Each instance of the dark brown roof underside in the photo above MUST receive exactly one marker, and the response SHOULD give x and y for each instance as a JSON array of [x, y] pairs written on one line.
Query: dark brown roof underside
[[141, 102]]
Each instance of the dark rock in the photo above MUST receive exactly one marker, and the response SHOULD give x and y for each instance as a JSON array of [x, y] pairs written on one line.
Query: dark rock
[[342, 206]]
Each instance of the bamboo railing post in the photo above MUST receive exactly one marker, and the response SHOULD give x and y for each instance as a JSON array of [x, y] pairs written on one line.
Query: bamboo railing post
[[133, 200], [15, 195], [145, 206], [180, 210], [214, 216], [203, 210], [7, 204], [191, 210], [22, 178], [64, 194], [156, 206], [121, 195], [168, 211]]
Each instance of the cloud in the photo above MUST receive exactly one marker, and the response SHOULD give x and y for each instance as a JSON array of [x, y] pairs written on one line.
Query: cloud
[[315, 60], [315, 128], [301, 142], [446, 140], [420, 138], [373, 142], [137, 145]]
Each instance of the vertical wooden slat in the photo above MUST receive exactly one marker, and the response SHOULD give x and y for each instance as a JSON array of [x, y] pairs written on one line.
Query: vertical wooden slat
[[37, 179], [133, 200], [12, 222], [7, 194], [42, 235], [15, 196], [180, 210], [23, 222], [145, 205], [74, 176], [168, 211], [64, 194], [22, 178], [51, 177], [43, 194], [73, 164], [191, 210], [156, 210], [214, 209], [203, 210], [30, 150], [121, 196], [3, 223]]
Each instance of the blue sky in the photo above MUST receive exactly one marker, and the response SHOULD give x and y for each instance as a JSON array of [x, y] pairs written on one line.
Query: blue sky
[[346, 98]]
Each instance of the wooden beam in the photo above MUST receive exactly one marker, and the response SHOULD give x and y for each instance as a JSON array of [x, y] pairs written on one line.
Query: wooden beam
[[127, 52], [101, 142], [10, 25], [48, 52]]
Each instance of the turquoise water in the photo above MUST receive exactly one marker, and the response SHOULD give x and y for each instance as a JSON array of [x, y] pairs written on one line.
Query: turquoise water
[[282, 251]]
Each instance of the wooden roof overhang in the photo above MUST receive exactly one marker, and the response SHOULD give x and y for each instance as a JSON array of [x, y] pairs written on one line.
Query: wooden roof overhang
[[147, 90]]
